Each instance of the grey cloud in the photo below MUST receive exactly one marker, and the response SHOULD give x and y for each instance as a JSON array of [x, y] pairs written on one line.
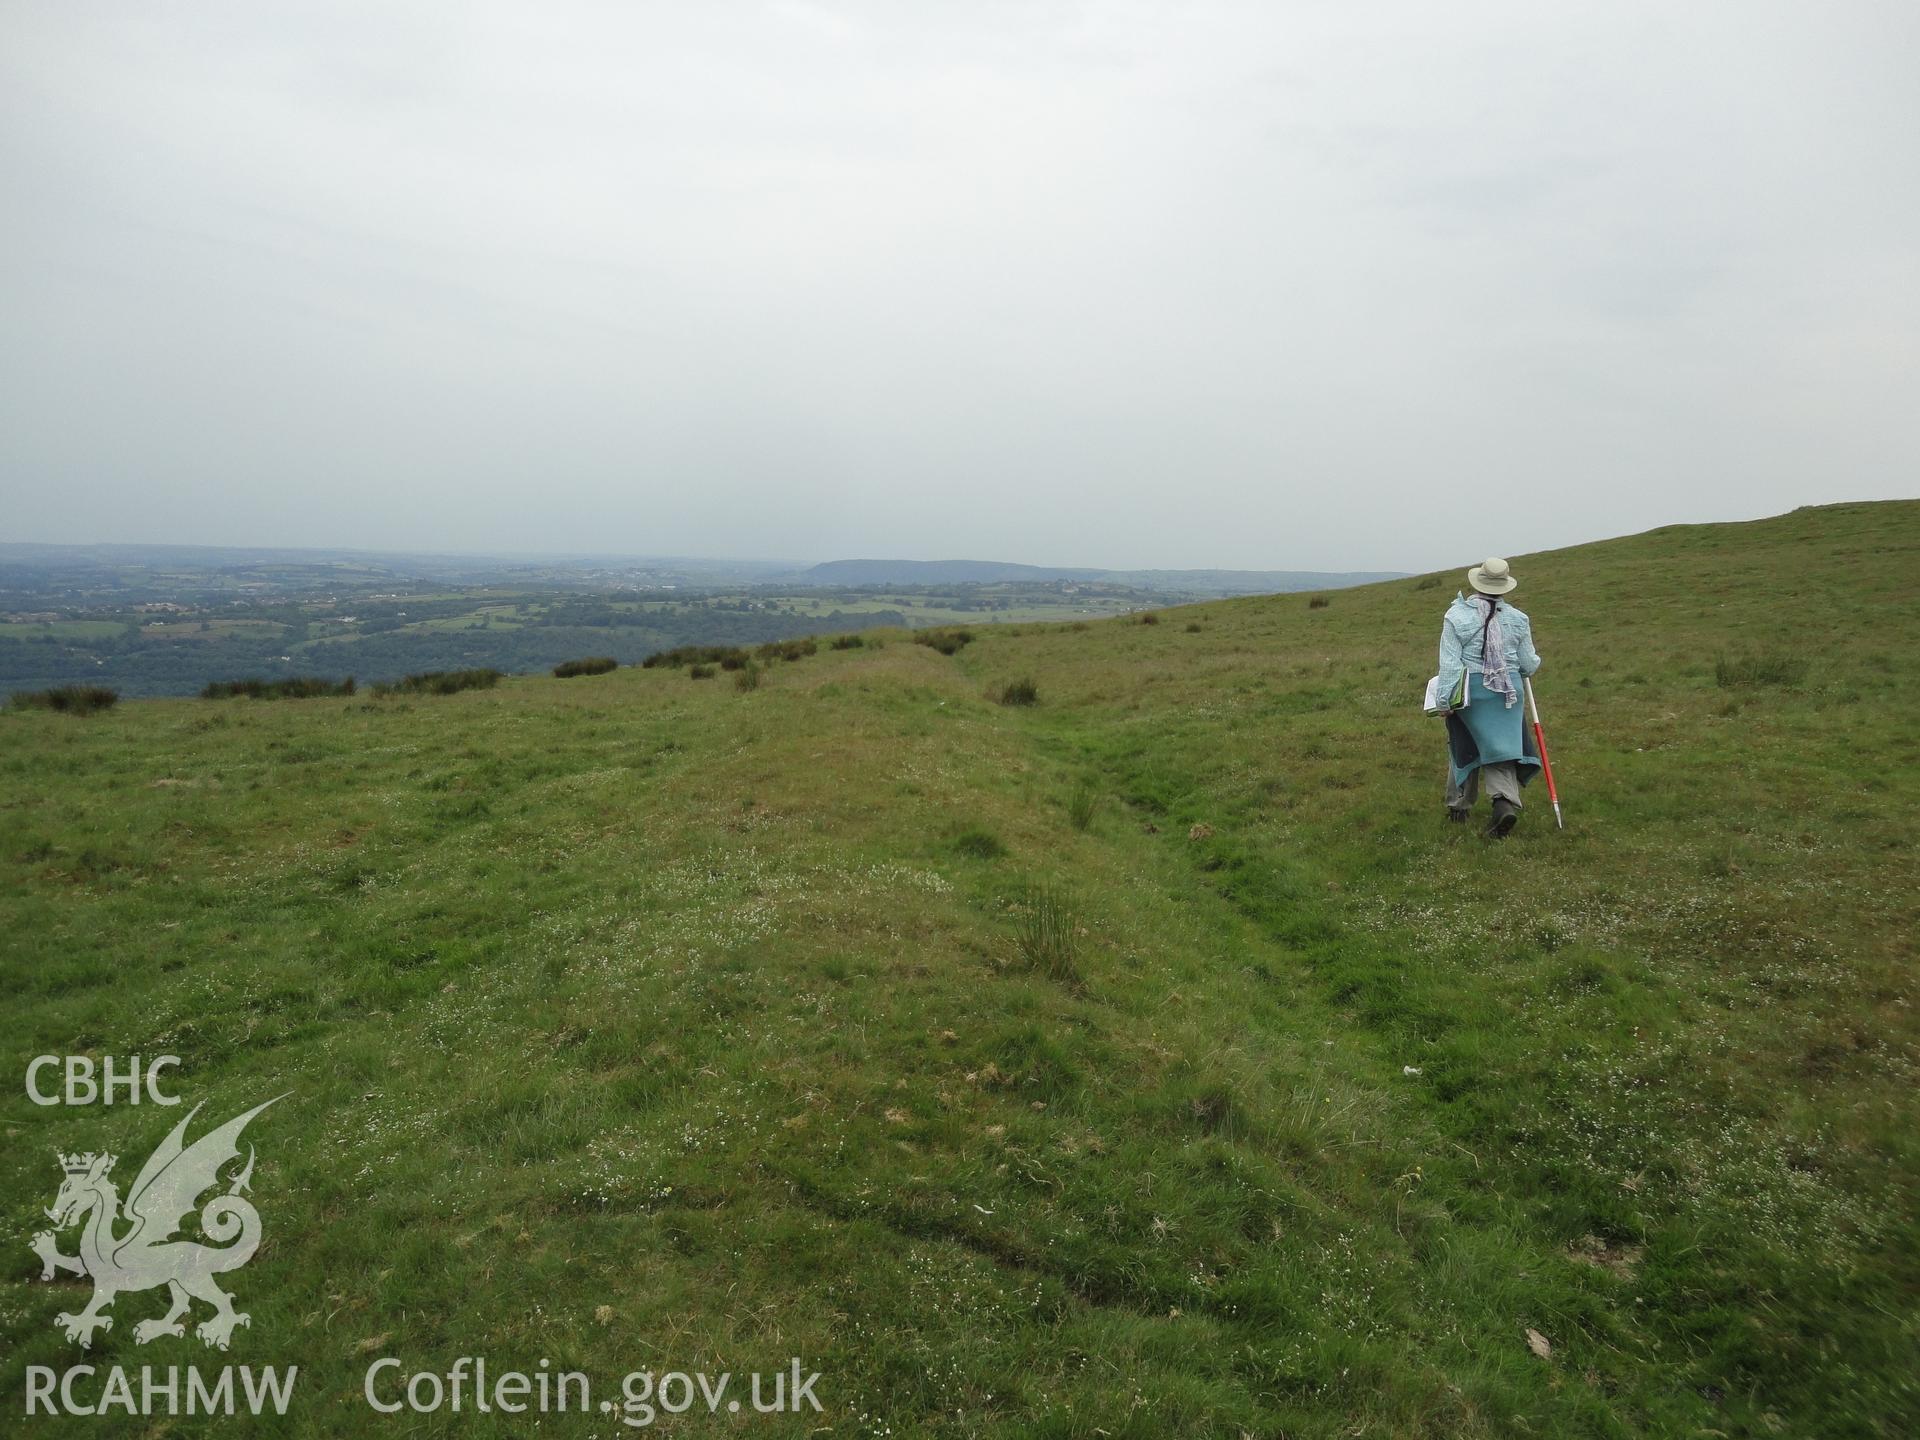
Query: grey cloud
[[1116, 284]]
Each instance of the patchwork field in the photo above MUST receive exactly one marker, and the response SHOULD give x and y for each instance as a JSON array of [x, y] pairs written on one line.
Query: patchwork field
[[81, 625]]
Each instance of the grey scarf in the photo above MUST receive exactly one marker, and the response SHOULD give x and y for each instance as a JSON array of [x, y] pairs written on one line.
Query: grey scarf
[[1493, 652]]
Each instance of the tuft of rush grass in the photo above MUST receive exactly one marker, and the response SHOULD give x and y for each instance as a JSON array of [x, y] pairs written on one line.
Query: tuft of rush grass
[[1083, 805], [1747, 671], [586, 1057], [978, 844], [1018, 692], [1047, 930]]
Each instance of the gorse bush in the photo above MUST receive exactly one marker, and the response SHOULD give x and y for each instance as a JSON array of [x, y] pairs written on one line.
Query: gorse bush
[[1193, 627], [1432, 582], [68, 699], [847, 642], [1748, 671], [1048, 931], [592, 665], [1318, 602], [700, 672], [947, 642], [787, 649], [747, 677], [299, 687], [729, 657], [1148, 617], [1019, 692], [440, 682]]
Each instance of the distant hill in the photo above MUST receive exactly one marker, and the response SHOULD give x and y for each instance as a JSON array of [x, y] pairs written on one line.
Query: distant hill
[[327, 569], [992, 572]]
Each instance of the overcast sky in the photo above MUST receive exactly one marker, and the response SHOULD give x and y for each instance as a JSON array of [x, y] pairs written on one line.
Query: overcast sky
[[1308, 285]]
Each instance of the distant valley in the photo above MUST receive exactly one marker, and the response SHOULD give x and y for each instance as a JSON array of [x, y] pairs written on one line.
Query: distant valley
[[167, 620]]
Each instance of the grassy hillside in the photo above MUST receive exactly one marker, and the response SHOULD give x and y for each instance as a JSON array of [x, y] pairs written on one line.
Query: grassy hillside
[[1149, 1061]]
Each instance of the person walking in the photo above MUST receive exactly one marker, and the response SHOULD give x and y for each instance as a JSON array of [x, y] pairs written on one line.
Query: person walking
[[1486, 655]]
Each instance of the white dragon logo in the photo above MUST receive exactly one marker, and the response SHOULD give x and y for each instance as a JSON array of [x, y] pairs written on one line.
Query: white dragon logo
[[164, 1193]]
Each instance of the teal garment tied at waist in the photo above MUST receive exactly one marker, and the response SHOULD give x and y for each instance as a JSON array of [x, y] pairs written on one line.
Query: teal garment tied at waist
[[1488, 731]]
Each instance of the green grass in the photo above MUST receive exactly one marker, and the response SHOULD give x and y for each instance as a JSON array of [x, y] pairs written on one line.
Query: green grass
[[645, 1023]]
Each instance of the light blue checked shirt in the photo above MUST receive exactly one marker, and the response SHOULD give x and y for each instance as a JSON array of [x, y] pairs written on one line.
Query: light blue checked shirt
[[1460, 640]]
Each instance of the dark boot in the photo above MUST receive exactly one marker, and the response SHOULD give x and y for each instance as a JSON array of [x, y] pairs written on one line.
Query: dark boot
[[1506, 815]]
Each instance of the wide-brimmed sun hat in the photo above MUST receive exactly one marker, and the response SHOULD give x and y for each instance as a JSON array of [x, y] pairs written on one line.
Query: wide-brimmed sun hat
[[1491, 576]]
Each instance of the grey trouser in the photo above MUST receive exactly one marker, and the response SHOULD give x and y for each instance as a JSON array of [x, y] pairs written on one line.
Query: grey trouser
[[1503, 783]]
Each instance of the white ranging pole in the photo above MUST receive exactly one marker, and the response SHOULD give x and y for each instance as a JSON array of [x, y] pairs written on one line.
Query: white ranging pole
[[1540, 742]]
